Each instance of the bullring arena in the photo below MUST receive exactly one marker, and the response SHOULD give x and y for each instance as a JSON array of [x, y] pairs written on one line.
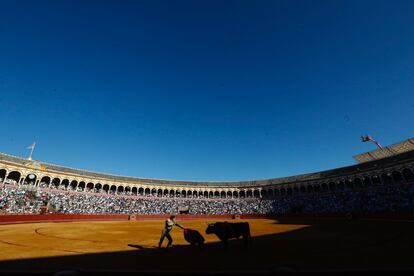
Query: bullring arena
[[355, 218], [298, 244]]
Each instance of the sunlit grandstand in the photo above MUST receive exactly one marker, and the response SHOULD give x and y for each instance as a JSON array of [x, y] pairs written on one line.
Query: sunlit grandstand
[[321, 192]]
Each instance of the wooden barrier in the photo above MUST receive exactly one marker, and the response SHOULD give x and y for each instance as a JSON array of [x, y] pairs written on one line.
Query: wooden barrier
[[9, 219], [58, 217], [178, 217], [109, 217]]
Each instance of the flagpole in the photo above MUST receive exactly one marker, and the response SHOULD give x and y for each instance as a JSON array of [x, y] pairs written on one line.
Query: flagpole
[[367, 138], [31, 152]]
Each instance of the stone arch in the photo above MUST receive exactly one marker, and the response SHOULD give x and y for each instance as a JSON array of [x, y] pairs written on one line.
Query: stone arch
[[270, 193], [127, 190], [113, 189], [317, 188], [172, 192], [408, 175], [357, 183], [55, 182], [141, 191], [366, 181], [324, 187], [242, 194], [73, 184], [376, 181], [205, 194], [82, 185], [147, 191], [105, 188], [210, 194], [159, 192], [153, 192], [183, 193], [235, 194], [15, 176], [166, 192], [216, 194], [397, 176], [134, 191], [229, 194], [30, 179], [223, 194], [332, 186], [249, 193], [120, 189], [98, 187], [386, 178], [341, 185], [45, 181], [65, 183], [349, 184], [3, 173], [189, 193], [89, 187]]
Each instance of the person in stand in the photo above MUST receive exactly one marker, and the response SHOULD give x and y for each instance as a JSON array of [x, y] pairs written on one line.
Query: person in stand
[[169, 225]]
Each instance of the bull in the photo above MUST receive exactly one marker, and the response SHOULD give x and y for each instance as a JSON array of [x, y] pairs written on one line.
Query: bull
[[226, 230]]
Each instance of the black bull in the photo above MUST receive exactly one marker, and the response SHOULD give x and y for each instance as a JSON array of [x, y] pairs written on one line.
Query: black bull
[[227, 230]]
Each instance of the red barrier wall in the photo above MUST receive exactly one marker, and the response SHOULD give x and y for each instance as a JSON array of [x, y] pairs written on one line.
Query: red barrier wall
[[58, 217], [78, 217], [9, 219], [389, 216], [186, 217]]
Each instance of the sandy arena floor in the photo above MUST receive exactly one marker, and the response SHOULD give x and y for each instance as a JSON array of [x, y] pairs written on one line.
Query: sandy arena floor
[[300, 244]]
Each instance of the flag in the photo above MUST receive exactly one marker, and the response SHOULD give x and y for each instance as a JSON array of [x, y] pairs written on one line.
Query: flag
[[32, 146], [366, 138]]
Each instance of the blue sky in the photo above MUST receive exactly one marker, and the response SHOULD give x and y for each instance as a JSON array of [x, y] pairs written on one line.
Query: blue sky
[[204, 90]]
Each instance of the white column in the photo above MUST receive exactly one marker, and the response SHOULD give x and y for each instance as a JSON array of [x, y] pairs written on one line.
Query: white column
[[5, 178]]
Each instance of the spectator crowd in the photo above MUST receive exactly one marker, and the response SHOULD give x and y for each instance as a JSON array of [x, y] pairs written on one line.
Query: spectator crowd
[[376, 199]]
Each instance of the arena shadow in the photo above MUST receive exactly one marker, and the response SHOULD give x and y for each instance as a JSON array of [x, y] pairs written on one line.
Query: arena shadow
[[333, 246]]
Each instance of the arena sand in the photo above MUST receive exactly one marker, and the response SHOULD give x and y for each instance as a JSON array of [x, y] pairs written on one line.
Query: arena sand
[[132, 246]]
